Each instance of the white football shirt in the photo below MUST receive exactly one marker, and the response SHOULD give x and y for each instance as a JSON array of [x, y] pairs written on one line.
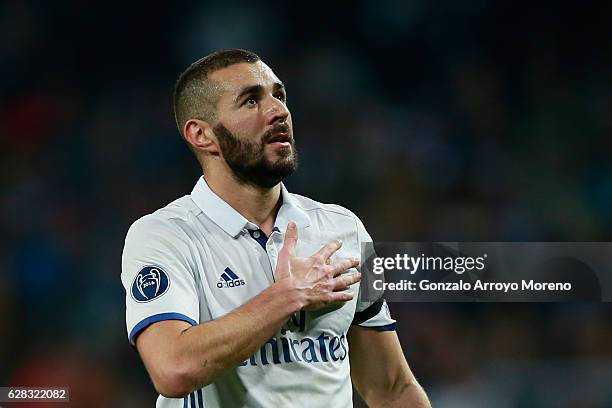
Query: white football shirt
[[198, 259]]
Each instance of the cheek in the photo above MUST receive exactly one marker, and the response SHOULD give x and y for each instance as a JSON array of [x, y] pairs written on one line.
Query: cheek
[[246, 126]]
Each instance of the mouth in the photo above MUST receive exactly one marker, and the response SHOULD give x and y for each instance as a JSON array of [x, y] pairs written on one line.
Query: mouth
[[280, 139]]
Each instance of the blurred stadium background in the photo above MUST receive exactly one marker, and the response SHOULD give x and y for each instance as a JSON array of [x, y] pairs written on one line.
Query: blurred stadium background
[[451, 120]]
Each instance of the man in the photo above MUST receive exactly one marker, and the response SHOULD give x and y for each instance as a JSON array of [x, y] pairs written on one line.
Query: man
[[242, 294]]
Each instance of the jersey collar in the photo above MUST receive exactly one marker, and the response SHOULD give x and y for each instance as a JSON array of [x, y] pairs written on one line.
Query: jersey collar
[[232, 222]]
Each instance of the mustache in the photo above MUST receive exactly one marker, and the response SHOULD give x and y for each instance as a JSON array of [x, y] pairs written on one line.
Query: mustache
[[276, 129]]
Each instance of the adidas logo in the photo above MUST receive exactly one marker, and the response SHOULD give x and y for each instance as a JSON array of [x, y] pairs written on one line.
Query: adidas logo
[[229, 279]]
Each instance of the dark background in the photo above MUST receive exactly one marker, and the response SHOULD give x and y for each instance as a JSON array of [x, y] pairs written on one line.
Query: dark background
[[450, 120]]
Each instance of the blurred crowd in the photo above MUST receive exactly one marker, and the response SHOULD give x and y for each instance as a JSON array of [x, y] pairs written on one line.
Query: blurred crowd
[[455, 120]]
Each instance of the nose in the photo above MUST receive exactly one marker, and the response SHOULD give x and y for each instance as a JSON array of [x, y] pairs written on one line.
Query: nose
[[277, 111]]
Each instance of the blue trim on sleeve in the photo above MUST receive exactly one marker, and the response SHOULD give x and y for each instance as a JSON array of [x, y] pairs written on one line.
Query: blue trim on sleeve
[[157, 318], [368, 312], [192, 400], [388, 327], [185, 402]]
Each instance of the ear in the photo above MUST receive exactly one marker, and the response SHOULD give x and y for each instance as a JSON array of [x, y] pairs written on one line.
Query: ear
[[200, 136]]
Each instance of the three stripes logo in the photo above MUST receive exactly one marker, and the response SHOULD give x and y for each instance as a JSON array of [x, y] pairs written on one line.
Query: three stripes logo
[[229, 279]]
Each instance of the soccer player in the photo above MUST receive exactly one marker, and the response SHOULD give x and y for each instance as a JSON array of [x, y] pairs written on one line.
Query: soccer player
[[242, 294]]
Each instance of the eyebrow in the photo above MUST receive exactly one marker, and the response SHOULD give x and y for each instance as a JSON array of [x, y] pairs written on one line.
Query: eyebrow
[[255, 89]]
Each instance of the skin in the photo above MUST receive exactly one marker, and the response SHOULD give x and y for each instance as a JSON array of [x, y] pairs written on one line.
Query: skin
[[180, 357], [249, 121], [383, 379]]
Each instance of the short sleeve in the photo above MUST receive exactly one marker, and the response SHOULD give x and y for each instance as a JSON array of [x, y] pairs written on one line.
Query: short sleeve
[[156, 274], [371, 314]]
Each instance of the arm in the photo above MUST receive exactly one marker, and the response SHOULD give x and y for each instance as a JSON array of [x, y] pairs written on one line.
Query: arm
[[380, 372], [181, 358]]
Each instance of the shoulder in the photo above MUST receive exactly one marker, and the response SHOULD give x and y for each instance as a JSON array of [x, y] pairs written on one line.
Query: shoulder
[[332, 217], [170, 219], [329, 216], [312, 206]]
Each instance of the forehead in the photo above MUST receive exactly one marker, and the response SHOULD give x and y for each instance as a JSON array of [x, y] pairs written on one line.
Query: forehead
[[236, 77]]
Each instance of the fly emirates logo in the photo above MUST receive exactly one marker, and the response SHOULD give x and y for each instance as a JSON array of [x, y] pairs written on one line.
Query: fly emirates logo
[[311, 350]]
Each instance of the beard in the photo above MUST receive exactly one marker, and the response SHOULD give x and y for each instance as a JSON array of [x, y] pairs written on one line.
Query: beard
[[248, 160]]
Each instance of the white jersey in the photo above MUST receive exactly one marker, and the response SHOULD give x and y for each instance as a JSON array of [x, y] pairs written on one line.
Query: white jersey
[[198, 259]]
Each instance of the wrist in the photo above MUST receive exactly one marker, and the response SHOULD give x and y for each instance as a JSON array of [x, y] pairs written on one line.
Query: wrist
[[291, 299]]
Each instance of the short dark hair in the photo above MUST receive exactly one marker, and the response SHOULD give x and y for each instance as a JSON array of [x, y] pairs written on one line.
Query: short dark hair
[[195, 96]]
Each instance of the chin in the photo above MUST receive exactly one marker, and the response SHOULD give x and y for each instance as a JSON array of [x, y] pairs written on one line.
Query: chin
[[287, 159], [283, 154]]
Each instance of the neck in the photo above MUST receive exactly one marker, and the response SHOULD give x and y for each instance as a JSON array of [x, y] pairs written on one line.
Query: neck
[[258, 205]]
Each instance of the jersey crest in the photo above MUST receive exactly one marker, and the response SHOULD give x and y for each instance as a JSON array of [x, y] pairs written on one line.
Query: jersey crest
[[150, 283]]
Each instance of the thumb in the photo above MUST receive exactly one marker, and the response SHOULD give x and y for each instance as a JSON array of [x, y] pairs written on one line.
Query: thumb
[[291, 238], [287, 251]]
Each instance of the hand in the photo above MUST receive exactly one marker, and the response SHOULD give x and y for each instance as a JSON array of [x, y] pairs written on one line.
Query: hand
[[315, 281]]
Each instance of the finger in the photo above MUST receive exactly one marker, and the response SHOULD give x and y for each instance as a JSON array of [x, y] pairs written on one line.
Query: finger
[[340, 297], [328, 249], [344, 281], [291, 238], [344, 265]]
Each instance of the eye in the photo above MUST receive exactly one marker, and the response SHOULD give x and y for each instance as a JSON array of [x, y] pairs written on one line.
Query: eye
[[250, 101], [281, 97]]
